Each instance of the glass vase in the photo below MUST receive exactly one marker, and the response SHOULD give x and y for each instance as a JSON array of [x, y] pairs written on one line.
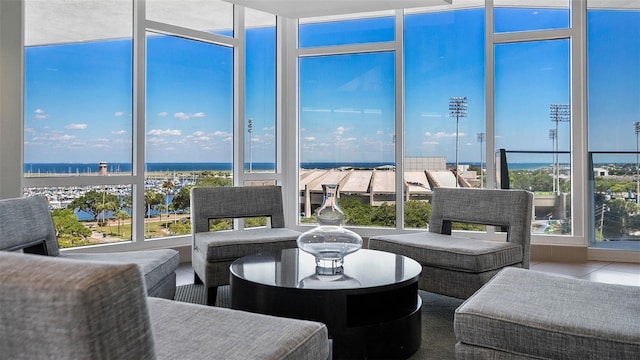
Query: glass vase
[[329, 242]]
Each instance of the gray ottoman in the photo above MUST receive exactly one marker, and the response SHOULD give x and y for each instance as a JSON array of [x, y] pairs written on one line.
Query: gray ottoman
[[524, 314]]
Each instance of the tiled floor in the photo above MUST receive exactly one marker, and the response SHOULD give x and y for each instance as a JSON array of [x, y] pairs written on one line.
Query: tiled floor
[[606, 272]]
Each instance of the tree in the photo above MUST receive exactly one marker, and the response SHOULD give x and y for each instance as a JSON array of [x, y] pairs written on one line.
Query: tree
[[182, 200], [151, 199], [91, 202], [121, 215], [69, 231], [417, 214], [167, 187]]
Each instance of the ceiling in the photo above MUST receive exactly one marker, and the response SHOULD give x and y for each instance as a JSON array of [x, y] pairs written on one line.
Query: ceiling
[[315, 8]]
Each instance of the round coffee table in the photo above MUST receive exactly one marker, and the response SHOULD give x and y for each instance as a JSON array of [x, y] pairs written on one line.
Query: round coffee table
[[371, 310]]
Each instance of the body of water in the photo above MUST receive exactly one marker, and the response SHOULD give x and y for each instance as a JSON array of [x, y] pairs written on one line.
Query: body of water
[[115, 168]]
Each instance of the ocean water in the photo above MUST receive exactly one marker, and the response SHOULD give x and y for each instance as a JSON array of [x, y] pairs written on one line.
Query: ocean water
[[114, 168]]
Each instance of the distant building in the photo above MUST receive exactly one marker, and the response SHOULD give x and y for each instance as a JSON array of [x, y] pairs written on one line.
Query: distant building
[[102, 168], [600, 172]]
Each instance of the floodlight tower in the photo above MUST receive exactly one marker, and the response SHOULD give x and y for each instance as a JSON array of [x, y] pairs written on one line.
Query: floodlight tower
[[559, 113], [481, 140], [250, 130], [552, 136], [636, 128], [457, 109]]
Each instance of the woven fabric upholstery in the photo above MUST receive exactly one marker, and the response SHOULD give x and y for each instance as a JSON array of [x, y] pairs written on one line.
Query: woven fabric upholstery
[[56, 308], [63, 309], [213, 252], [526, 313], [227, 334], [158, 267], [26, 223], [229, 202], [463, 254], [458, 266], [508, 208]]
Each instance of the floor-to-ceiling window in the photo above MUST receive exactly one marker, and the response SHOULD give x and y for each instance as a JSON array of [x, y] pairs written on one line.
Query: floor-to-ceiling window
[[78, 118], [444, 125], [532, 107], [349, 108], [613, 58], [347, 116]]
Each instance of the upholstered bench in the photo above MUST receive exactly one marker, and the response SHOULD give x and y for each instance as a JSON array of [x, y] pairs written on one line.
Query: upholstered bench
[[524, 314]]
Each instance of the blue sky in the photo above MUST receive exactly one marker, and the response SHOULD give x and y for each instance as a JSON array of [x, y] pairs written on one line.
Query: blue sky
[[78, 96]]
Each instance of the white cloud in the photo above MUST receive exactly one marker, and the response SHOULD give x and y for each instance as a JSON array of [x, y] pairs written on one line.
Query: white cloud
[[118, 113], [184, 116], [310, 138], [308, 109], [221, 133], [74, 126], [198, 133], [167, 132], [39, 114], [163, 114], [119, 132], [181, 116]]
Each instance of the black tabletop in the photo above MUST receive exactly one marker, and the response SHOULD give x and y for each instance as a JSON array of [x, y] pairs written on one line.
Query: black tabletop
[[294, 268]]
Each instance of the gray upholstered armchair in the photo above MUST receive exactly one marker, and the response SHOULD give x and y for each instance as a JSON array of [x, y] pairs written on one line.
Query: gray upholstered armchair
[[458, 266], [54, 308], [214, 251], [26, 226]]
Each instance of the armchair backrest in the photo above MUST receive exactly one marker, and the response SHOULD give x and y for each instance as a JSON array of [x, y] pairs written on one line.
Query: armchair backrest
[[52, 307], [512, 209], [231, 202], [26, 224]]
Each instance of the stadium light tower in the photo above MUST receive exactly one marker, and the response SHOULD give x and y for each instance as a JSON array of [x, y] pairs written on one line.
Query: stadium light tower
[[250, 130], [457, 109], [481, 140], [552, 136], [636, 128], [559, 113]]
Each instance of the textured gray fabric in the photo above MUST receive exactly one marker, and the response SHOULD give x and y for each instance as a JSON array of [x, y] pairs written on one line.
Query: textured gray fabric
[[451, 252], [458, 266], [157, 265], [529, 313], [27, 222], [498, 207], [468, 352], [222, 202], [189, 331], [213, 252], [458, 284], [63, 309]]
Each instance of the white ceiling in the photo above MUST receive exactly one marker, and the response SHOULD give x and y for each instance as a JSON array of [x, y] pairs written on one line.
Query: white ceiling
[[315, 8]]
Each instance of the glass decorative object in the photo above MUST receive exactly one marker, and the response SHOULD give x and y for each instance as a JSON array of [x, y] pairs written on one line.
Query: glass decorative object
[[329, 242]]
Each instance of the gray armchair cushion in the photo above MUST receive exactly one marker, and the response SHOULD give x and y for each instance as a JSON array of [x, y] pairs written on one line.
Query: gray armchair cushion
[[156, 265], [526, 313], [230, 245], [58, 308], [225, 334], [452, 252]]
